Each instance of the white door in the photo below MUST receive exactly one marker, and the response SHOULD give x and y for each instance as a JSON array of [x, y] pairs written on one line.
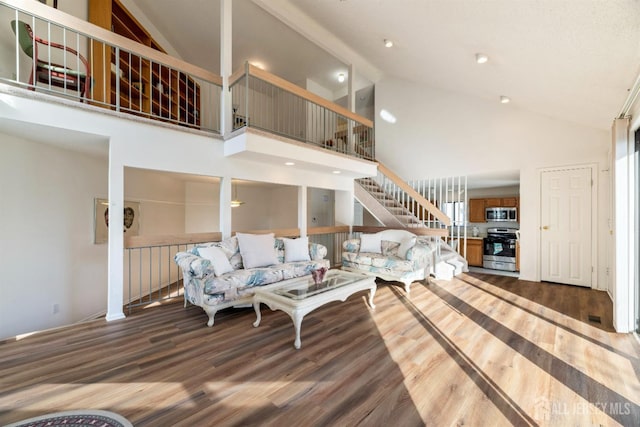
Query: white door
[[565, 228]]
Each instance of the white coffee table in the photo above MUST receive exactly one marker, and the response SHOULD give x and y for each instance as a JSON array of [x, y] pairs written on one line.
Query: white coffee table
[[300, 296]]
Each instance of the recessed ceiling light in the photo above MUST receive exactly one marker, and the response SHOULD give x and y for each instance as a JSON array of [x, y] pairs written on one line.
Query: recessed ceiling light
[[504, 99], [481, 58], [289, 163], [388, 43], [341, 77], [337, 172]]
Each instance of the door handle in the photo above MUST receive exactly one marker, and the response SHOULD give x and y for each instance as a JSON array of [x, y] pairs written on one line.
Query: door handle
[[545, 227]]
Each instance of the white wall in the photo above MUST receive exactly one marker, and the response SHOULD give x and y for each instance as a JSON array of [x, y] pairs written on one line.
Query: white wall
[[506, 191], [282, 207], [321, 207], [441, 133], [161, 197], [265, 207], [202, 207], [47, 212], [364, 108], [46, 223], [76, 8], [318, 89]]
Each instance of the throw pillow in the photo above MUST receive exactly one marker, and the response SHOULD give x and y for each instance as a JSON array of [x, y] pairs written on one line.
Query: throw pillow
[[296, 249], [257, 250], [219, 260], [390, 248], [405, 245], [371, 243]]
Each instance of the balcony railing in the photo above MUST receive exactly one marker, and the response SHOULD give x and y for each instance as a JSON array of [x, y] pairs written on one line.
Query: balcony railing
[[58, 54], [151, 274], [267, 102]]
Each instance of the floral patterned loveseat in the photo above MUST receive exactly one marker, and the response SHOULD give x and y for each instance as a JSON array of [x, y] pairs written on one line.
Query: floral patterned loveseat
[[202, 287], [393, 255]]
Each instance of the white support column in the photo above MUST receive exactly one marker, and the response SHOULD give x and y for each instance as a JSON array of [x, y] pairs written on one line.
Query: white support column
[[344, 209], [623, 295], [351, 94], [351, 106], [226, 46], [302, 210], [225, 207], [115, 257]]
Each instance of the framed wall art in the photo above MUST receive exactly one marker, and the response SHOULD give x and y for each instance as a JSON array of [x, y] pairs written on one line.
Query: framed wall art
[[52, 3], [131, 225]]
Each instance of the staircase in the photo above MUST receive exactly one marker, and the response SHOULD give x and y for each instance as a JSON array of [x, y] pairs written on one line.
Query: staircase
[[395, 204], [385, 208]]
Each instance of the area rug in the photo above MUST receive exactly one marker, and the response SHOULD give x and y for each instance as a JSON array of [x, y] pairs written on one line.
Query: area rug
[[79, 418]]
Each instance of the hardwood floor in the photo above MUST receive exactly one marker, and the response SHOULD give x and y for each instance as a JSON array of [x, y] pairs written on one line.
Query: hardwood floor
[[477, 350]]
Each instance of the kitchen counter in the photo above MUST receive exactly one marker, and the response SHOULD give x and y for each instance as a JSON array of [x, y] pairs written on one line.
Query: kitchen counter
[[469, 237]]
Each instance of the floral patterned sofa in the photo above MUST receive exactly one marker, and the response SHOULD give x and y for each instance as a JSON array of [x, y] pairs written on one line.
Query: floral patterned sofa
[[211, 292], [393, 255]]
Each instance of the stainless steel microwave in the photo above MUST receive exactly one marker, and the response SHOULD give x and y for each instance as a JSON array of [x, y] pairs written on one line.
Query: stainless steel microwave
[[501, 214]]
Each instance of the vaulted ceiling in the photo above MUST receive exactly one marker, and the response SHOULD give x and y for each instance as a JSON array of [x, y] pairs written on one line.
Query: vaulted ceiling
[[570, 59]]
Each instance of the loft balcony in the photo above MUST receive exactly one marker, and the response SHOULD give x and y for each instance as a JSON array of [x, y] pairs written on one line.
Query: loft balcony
[[58, 56]]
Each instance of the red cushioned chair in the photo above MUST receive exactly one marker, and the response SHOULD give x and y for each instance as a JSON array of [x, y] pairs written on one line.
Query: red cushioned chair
[[45, 71]]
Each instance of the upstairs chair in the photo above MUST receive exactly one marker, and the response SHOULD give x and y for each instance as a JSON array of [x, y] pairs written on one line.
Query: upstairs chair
[[48, 72]]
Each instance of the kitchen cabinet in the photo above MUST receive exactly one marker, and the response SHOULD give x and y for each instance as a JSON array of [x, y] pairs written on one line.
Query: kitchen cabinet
[[493, 202], [476, 210], [510, 202], [518, 256], [145, 87], [474, 252], [501, 202], [477, 206]]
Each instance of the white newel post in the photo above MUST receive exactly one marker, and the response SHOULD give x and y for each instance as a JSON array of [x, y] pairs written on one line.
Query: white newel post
[[226, 20], [351, 96], [302, 210], [115, 280], [225, 206], [344, 210]]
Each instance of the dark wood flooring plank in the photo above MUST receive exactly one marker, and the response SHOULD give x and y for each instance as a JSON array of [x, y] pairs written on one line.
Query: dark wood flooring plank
[[476, 350]]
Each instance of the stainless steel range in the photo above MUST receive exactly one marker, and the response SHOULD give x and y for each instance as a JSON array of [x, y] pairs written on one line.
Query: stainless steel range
[[500, 249]]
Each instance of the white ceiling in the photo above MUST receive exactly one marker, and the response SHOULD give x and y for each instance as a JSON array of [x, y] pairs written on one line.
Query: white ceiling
[[86, 143], [569, 59], [258, 37]]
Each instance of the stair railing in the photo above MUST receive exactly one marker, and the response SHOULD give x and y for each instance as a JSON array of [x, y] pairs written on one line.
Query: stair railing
[[387, 200], [426, 213], [436, 205], [450, 194]]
